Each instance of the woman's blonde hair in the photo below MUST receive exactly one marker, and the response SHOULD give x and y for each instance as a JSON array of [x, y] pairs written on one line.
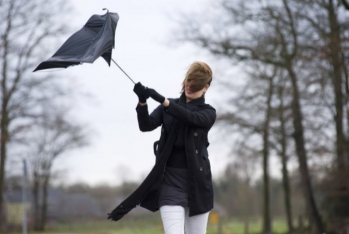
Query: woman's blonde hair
[[200, 74]]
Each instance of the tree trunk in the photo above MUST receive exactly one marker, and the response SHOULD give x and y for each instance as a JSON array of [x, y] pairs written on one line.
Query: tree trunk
[[346, 76], [341, 186], [266, 189], [302, 154], [335, 60], [246, 227], [3, 153], [36, 192], [45, 187], [4, 137], [285, 177]]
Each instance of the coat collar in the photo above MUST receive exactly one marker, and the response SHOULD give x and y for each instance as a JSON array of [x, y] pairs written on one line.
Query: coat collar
[[193, 104]]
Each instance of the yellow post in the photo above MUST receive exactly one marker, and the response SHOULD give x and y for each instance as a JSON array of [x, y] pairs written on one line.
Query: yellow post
[[214, 218]]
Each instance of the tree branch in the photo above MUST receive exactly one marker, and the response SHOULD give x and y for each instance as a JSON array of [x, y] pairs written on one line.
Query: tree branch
[[345, 4]]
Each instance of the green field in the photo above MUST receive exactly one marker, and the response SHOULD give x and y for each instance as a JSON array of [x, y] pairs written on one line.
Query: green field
[[153, 226]]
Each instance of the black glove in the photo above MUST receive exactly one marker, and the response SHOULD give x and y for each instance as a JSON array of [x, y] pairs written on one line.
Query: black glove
[[155, 95], [140, 90]]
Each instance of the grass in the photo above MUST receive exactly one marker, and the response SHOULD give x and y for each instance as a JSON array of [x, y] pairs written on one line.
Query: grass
[[152, 225]]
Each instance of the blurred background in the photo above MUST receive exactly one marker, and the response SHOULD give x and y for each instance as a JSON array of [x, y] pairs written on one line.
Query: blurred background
[[71, 150]]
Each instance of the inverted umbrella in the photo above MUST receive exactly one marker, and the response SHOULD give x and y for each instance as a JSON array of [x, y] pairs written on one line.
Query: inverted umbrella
[[95, 39]]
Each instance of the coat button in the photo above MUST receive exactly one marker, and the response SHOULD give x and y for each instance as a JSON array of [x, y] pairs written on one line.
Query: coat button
[[196, 151], [200, 168], [195, 134]]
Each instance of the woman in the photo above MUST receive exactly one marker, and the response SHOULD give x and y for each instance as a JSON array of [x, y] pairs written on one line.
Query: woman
[[180, 184]]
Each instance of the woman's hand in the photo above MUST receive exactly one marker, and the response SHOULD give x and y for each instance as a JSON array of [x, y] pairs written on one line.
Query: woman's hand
[[157, 97], [141, 92]]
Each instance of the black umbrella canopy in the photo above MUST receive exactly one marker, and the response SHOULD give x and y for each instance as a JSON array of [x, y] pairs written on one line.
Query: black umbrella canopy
[[95, 39]]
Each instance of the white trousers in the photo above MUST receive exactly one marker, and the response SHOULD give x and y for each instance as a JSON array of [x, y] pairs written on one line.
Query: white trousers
[[176, 218]]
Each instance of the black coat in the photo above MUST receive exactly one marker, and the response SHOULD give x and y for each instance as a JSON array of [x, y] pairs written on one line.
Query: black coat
[[198, 118]]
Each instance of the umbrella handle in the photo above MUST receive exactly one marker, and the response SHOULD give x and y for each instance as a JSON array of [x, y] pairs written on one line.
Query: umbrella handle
[[123, 71]]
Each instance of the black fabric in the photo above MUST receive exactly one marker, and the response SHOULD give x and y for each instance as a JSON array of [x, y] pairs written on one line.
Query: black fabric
[[156, 96], [198, 118], [95, 39], [177, 158], [149, 185], [179, 144], [140, 91], [174, 189]]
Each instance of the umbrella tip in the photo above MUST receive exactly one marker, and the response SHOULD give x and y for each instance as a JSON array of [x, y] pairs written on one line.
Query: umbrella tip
[[105, 9]]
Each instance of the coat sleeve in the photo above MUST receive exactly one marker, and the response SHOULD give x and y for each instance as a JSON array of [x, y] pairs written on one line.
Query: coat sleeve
[[148, 122], [204, 118]]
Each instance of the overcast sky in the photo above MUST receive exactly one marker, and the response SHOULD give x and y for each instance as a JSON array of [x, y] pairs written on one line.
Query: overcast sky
[[118, 150]]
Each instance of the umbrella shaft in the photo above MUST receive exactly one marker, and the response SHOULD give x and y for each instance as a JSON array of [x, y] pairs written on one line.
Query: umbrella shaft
[[123, 71]]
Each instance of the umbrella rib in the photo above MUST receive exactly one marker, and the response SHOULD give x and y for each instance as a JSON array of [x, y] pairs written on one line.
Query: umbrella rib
[[123, 70]]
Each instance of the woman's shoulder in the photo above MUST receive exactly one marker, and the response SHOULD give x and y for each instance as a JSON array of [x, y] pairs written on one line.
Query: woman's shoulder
[[209, 106]]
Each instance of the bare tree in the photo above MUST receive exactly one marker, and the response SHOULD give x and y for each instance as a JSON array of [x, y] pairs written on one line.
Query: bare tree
[[334, 52], [282, 139], [25, 26], [289, 57], [329, 24], [256, 99], [51, 137], [271, 35], [266, 149]]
